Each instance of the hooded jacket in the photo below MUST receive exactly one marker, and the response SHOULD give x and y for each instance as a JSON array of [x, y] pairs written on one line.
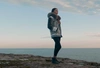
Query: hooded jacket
[[54, 22]]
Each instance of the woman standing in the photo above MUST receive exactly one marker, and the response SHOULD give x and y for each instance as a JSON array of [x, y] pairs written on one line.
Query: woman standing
[[54, 25]]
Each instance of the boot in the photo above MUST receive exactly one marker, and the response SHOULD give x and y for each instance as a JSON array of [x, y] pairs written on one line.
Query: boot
[[55, 61]]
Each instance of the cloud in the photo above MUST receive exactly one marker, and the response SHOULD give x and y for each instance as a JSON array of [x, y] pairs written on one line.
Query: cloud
[[77, 6], [94, 34]]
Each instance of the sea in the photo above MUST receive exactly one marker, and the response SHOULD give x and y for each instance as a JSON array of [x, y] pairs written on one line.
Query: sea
[[87, 54]]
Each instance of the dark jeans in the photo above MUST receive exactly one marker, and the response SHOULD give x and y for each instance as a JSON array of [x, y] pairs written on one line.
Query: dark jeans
[[57, 45]]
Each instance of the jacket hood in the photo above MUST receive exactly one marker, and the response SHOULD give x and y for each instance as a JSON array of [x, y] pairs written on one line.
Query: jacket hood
[[52, 14]]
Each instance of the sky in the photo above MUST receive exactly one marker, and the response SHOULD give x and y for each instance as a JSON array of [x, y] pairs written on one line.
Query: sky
[[23, 23]]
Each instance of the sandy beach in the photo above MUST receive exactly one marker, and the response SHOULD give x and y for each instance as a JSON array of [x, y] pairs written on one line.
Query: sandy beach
[[31, 61]]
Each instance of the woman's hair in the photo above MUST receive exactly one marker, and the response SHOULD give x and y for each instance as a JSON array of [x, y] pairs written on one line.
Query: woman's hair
[[53, 9]]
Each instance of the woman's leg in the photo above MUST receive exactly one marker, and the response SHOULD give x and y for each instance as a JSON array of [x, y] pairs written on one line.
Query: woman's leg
[[57, 45]]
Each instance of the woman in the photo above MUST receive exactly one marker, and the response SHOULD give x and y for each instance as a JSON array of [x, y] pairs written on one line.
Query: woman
[[55, 30]]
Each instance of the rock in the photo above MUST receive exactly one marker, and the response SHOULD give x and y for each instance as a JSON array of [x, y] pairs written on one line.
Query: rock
[[31, 61]]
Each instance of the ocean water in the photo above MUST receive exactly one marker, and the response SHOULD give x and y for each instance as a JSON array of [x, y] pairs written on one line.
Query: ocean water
[[87, 54]]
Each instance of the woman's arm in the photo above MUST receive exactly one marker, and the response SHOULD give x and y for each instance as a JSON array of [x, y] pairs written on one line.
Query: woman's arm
[[50, 20], [50, 24]]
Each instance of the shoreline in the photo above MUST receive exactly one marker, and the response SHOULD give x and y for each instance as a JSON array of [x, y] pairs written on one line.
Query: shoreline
[[31, 61]]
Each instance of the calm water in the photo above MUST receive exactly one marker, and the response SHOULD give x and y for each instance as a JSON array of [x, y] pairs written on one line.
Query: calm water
[[88, 54]]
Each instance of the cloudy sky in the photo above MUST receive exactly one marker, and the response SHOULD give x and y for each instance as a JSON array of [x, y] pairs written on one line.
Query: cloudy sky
[[23, 23]]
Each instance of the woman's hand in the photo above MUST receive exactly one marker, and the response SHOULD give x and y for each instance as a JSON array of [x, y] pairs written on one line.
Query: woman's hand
[[54, 28]]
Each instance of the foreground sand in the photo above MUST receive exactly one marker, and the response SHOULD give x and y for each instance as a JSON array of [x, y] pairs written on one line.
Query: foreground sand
[[31, 61]]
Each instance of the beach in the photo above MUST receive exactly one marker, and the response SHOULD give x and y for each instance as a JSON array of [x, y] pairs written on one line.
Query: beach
[[31, 61]]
